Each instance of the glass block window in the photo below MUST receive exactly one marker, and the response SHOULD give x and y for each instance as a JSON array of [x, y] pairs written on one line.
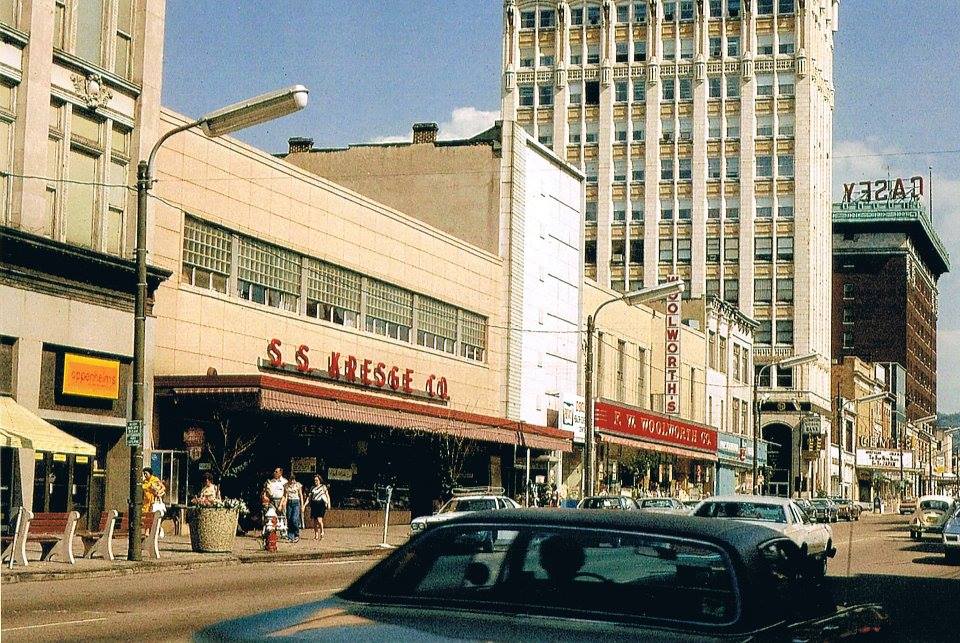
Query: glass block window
[[207, 252], [473, 336], [389, 310], [436, 324], [268, 274], [333, 293]]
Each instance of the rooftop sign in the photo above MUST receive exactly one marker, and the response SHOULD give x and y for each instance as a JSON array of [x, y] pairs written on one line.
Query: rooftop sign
[[883, 190]]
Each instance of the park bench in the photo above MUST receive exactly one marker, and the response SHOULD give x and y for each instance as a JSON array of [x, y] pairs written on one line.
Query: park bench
[[100, 541], [54, 532]]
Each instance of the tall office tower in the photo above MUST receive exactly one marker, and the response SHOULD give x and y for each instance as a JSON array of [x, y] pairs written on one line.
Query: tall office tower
[[704, 129]]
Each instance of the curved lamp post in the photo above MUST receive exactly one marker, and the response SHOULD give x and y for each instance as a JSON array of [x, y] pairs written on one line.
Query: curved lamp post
[[633, 298], [246, 113], [789, 362]]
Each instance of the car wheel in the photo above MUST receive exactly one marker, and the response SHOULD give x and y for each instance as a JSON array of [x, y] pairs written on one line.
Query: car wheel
[[819, 566]]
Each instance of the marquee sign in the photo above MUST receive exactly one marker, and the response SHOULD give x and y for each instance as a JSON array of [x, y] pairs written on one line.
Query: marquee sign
[[883, 190], [884, 459], [622, 420], [671, 369], [360, 372]]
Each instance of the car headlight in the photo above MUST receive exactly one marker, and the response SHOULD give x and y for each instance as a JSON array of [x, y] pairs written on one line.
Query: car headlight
[[417, 526]]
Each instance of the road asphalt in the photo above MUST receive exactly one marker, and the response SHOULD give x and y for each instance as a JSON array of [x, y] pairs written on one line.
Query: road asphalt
[[876, 562]]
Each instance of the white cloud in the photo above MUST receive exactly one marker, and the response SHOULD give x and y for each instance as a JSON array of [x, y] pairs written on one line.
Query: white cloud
[[859, 160], [464, 122]]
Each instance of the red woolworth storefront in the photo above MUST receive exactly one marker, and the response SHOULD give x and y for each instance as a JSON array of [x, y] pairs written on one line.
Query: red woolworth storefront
[[650, 453], [311, 421]]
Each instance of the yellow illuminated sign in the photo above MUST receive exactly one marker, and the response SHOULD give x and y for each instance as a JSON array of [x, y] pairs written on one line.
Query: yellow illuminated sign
[[59, 457], [91, 377]]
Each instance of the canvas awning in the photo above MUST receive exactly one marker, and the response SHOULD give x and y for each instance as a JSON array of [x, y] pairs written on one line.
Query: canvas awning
[[21, 428]]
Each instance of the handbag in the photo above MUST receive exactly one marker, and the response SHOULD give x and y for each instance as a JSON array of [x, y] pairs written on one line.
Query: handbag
[[162, 508]]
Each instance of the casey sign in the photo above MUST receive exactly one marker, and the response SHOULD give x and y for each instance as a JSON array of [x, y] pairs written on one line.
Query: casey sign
[[361, 372], [883, 190]]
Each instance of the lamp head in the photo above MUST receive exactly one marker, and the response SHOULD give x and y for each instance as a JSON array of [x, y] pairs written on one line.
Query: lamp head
[[253, 111], [653, 293]]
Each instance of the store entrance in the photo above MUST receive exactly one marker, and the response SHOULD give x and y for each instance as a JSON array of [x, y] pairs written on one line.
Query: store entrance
[[779, 458], [61, 483]]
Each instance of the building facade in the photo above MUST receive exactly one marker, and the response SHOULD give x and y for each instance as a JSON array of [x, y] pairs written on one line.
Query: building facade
[[80, 104], [704, 130], [887, 259], [371, 359], [514, 198]]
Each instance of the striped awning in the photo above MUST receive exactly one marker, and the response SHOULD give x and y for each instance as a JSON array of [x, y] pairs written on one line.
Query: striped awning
[[20, 427], [654, 446]]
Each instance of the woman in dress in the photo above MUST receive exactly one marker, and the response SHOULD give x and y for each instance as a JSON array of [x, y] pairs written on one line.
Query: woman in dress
[[319, 503], [209, 492]]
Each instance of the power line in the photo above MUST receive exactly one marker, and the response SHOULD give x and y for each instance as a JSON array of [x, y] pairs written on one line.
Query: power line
[[914, 153]]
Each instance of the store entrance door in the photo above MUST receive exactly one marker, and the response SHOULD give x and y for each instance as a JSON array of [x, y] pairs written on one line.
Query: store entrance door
[[61, 483]]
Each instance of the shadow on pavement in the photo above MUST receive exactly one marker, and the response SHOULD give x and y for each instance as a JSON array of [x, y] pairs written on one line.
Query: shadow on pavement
[[920, 609]]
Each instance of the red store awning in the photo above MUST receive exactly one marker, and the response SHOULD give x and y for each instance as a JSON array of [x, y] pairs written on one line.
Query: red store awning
[[286, 397]]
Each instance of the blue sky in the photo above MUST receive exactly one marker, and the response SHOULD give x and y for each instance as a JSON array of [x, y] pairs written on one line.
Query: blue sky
[[374, 67]]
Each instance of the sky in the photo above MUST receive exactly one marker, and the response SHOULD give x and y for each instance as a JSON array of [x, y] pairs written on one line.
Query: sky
[[375, 67]]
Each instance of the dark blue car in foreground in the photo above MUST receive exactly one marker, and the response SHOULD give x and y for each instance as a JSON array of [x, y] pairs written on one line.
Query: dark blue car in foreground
[[575, 576]]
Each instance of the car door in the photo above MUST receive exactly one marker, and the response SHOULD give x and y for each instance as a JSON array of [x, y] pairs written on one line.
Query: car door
[[814, 534]]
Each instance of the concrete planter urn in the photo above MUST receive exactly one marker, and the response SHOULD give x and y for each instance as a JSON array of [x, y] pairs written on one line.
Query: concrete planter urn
[[213, 529]]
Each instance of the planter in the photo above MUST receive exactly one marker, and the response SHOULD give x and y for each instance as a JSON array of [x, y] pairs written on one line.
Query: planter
[[212, 530]]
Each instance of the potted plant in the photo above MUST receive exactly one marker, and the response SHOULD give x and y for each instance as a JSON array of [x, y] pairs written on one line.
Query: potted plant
[[213, 523]]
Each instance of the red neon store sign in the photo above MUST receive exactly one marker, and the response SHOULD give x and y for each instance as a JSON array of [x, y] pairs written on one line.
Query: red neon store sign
[[361, 372]]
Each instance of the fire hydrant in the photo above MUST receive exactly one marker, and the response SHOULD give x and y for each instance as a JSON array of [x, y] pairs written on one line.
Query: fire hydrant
[[270, 534]]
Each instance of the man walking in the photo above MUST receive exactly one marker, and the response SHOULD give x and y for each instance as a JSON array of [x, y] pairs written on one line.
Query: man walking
[[273, 498]]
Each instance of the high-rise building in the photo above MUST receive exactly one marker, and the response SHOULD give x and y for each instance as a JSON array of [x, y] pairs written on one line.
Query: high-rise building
[[887, 258], [704, 130]]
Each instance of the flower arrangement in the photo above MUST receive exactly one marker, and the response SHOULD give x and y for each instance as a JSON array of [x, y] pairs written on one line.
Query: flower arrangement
[[220, 503]]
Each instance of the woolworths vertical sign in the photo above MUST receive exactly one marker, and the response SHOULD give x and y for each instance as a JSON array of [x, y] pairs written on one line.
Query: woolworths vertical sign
[[671, 370]]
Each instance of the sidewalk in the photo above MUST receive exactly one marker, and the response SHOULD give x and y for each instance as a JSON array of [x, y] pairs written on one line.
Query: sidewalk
[[175, 553]]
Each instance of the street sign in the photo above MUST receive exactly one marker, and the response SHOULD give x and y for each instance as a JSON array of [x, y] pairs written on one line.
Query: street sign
[[134, 433]]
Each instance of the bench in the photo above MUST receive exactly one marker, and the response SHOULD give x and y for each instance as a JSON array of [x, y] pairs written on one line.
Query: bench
[[54, 532], [151, 523], [100, 541], [16, 551]]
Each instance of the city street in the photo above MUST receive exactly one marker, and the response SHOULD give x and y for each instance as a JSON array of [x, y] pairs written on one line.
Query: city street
[[876, 562]]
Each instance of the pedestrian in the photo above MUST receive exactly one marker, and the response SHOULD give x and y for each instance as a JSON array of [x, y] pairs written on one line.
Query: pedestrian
[[319, 503], [876, 504], [273, 499], [293, 494], [153, 492], [209, 493], [554, 495]]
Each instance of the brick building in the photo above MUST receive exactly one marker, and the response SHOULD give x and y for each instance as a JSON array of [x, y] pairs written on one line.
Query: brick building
[[887, 259]]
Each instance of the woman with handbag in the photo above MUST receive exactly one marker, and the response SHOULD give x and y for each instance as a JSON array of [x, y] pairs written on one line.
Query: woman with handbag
[[319, 503]]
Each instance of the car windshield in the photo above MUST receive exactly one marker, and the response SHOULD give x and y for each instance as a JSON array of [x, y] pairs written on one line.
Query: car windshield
[[468, 504], [602, 574], [602, 503], [934, 505], [657, 502], [742, 511]]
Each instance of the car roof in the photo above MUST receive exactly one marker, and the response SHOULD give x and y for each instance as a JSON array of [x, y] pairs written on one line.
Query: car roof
[[481, 496], [938, 497], [741, 497], [740, 534]]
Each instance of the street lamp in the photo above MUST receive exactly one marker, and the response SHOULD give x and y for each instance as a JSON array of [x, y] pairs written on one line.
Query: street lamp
[[789, 362], [247, 113], [842, 404], [633, 298]]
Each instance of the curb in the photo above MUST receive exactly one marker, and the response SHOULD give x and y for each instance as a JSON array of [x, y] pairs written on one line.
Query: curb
[[25, 576]]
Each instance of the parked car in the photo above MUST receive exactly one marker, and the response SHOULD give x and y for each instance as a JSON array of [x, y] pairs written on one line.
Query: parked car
[[805, 505], [690, 504], [951, 536], [824, 510], [931, 514], [814, 540], [907, 506], [576, 575], [847, 509], [463, 502], [667, 505], [608, 502]]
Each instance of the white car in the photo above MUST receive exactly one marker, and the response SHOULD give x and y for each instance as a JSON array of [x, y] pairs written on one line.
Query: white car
[[781, 514], [460, 505]]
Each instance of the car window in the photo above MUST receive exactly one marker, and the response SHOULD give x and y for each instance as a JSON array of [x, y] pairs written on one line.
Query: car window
[[657, 502], [469, 504], [935, 505], [742, 511], [602, 573]]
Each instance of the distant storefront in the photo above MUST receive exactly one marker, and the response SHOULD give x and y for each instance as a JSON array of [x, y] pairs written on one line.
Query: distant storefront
[[735, 463], [649, 452]]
